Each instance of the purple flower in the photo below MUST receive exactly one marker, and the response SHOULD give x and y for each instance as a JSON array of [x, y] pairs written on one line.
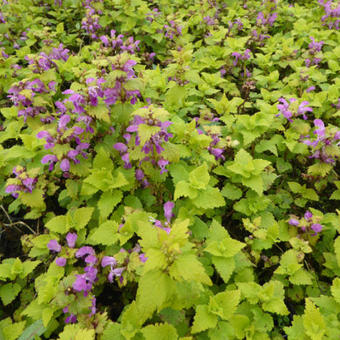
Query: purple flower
[[81, 284], [91, 259], [308, 215], [108, 261], [294, 222], [72, 318], [321, 131], [65, 165], [49, 159], [316, 227], [60, 261], [86, 250], [120, 147], [53, 245], [71, 239], [143, 258], [168, 207], [310, 89], [139, 174], [162, 163]]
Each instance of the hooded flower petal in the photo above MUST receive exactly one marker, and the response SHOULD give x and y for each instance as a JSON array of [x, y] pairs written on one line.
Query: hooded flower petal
[[53, 245]]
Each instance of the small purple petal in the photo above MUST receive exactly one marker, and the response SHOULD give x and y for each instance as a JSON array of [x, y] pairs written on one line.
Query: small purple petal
[[294, 222], [53, 245], [71, 239], [65, 165], [86, 250], [168, 206], [316, 227], [60, 261], [108, 261]]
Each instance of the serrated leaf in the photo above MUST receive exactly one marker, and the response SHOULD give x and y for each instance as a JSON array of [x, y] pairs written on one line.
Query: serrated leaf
[[313, 321], [224, 266], [146, 131], [228, 247], [301, 277], [8, 292], [189, 268], [224, 304], [100, 112], [80, 217], [203, 319], [108, 200], [335, 289], [105, 234], [162, 331], [255, 183], [209, 198], [11, 331], [151, 297], [231, 191], [112, 331], [184, 189], [57, 224], [199, 177], [35, 199]]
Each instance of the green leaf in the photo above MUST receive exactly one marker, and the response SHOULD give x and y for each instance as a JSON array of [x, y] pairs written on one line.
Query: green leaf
[[105, 234], [76, 332], [34, 199], [146, 131], [112, 331], [209, 198], [335, 195], [80, 217], [100, 112], [231, 191], [255, 183], [224, 304], [335, 289], [313, 321], [228, 247], [199, 178], [337, 249], [35, 329], [295, 187], [11, 331], [188, 268], [301, 277], [162, 331], [108, 201], [184, 189], [224, 266], [203, 319], [8, 292], [151, 297], [58, 224]]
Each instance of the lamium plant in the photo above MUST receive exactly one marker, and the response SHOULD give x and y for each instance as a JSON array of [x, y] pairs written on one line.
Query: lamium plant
[[169, 170]]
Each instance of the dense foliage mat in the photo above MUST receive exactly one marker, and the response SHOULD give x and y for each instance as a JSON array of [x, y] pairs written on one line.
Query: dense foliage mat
[[169, 169]]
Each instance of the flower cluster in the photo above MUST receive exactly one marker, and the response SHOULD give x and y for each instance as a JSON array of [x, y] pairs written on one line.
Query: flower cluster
[[241, 57], [22, 183], [84, 282], [117, 43], [44, 62], [172, 30], [293, 108], [22, 95], [153, 14], [326, 145], [308, 223], [332, 13], [152, 147], [314, 48], [167, 207], [91, 22], [64, 135], [117, 268]]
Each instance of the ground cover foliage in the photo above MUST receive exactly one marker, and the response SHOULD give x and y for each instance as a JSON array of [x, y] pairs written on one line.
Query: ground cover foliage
[[169, 169]]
